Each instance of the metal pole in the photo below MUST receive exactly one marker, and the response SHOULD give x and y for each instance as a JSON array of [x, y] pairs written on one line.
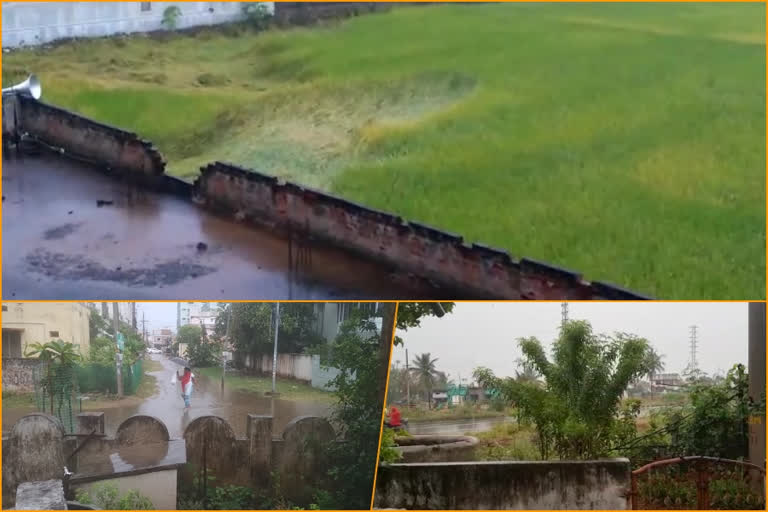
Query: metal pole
[[118, 355], [407, 379], [274, 357]]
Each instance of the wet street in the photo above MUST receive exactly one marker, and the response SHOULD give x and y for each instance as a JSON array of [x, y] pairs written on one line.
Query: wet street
[[71, 232], [455, 427], [207, 399]]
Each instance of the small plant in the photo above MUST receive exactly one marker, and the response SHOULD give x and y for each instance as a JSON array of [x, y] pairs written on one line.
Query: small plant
[[107, 497], [171, 17], [257, 14], [388, 453]]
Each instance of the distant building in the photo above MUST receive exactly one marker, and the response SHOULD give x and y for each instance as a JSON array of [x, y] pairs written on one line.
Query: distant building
[[35, 23], [126, 311], [161, 338], [25, 323], [667, 382]]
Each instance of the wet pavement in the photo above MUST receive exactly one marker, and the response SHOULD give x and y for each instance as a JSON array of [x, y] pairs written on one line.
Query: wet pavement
[[71, 232], [455, 427], [207, 399]]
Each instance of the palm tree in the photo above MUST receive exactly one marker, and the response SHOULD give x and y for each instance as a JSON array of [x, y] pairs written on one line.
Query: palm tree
[[58, 356], [424, 370], [655, 364]]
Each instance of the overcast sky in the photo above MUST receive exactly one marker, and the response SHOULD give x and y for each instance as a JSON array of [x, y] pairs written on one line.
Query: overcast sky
[[485, 334], [159, 315]]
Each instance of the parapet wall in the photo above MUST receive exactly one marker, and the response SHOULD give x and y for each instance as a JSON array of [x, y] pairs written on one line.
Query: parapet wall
[[84, 138], [461, 269], [476, 271], [518, 485]]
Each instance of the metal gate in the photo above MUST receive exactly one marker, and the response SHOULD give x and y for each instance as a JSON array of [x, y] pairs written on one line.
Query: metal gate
[[698, 483], [54, 391]]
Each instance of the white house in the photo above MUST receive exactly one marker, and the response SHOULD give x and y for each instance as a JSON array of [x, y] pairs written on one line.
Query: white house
[[33, 23]]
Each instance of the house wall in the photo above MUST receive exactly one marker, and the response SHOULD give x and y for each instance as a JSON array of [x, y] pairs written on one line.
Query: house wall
[[518, 485], [36, 321], [19, 373], [33, 23]]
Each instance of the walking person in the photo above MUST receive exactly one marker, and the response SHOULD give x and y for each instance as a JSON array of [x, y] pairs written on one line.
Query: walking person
[[187, 381]]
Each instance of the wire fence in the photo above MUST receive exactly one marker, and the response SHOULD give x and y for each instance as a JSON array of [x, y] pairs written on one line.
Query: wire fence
[[57, 386], [96, 378]]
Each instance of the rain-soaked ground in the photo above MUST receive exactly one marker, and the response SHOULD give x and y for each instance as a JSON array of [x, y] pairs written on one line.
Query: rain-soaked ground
[[455, 427], [72, 233], [208, 399]]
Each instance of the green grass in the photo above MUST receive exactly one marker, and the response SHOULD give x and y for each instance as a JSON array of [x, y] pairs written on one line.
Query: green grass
[[507, 442], [12, 400], [626, 141], [288, 389]]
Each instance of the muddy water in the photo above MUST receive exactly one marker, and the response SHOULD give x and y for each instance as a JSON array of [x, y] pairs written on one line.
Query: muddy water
[[455, 427], [73, 233]]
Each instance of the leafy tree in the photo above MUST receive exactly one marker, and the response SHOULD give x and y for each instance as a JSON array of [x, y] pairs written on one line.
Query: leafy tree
[[715, 422], [357, 355], [575, 412], [426, 373], [250, 328], [409, 314], [201, 351]]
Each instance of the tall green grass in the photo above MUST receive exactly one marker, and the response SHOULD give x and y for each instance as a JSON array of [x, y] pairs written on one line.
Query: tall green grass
[[626, 141]]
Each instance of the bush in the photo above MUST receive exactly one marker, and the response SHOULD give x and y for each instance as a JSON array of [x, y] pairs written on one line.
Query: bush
[[171, 17], [107, 497], [257, 14]]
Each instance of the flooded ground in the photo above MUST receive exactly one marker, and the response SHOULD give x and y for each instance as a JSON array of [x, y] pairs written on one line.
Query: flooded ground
[[72, 233], [455, 427], [168, 406]]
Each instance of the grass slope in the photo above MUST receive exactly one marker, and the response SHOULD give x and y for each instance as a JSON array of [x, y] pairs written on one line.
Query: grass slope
[[626, 141]]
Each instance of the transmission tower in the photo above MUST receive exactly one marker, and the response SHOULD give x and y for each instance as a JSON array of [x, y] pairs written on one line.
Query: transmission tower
[[693, 342], [564, 309]]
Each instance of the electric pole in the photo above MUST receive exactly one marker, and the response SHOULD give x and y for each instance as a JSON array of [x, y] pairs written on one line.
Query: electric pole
[[119, 353], [564, 312], [274, 357], [144, 327]]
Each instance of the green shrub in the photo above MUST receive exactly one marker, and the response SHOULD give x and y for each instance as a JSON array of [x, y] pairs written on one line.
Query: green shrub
[[171, 17], [107, 497]]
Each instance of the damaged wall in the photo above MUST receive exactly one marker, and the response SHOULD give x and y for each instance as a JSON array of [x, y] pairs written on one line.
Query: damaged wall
[[445, 258], [506, 485], [81, 137]]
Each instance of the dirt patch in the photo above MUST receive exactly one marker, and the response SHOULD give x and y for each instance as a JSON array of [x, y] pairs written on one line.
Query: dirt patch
[[77, 267], [60, 232]]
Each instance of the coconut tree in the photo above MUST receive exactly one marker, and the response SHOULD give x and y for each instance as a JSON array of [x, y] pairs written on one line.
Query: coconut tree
[[655, 364], [424, 370]]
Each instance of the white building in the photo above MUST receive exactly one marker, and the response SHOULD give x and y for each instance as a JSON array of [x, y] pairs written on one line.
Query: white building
[[125, 310], [330, 316], [33, 23]]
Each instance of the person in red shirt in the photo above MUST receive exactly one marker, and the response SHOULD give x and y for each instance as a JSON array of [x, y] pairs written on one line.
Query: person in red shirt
[[394, 418], [187, 380]]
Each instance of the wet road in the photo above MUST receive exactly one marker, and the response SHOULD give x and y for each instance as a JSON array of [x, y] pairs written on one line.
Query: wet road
[[207, 398], [455, 427], [60, 244]]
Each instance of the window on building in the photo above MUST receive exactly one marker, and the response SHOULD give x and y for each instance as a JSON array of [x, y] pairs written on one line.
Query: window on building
[[53, 334], [146, 6], [5, 308], [11, 343]]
